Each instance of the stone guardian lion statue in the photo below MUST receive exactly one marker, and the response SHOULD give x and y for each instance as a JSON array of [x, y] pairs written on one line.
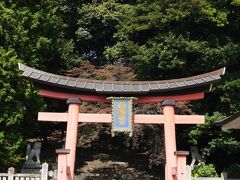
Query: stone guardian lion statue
[[35, 151], [196, 157]]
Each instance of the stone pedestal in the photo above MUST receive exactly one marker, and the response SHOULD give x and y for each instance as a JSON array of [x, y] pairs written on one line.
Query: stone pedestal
[[31, 166]]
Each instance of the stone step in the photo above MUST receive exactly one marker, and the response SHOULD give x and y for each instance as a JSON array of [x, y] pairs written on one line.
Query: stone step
[[112, 177], [112, 163], [106, 162], [114, 169]]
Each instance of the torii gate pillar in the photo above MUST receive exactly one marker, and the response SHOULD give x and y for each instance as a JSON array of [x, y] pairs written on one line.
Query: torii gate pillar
[[170, 140], [71, 136]]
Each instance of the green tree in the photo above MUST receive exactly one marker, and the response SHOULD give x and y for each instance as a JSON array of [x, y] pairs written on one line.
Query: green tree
[[16, 97], [36, 32], [32, 33], [96, 24]]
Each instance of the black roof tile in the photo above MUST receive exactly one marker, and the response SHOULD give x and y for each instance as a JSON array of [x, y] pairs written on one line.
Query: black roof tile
[[53, 79], [117, 87], [63, 81], [90, 85], [216, 77], [71, 83], [172, 85], [27, 73], [190, 82], [126, 87], [108, 87], [181, 84], [199, 80], [163, 86], [44, 77], [136, 87], [145, 87], [99, 86], [80, 84], [35, 75], [208, 78], [153, 86], [120, 86]]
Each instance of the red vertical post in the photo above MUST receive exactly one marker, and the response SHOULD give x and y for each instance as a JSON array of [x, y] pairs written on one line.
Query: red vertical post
[[170, 139], [181, 164], [71, 135], [62, 163]]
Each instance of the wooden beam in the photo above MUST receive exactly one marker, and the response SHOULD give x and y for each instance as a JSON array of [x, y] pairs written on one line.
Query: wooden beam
[[184, 97], [95, 118], [142, 99], [63, 95], [148, 119], [83, 117], [51, 116], [189, 119], [107, 118], [159, 119]]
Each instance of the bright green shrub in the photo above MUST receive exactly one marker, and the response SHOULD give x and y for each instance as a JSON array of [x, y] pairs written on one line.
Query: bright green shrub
[[205, 171]]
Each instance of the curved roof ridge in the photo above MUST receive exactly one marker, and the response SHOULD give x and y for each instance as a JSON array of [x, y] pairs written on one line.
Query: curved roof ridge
[[125, 87], [220, 72]]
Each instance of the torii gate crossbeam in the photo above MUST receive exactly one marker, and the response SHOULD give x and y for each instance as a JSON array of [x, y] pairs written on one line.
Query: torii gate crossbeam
[[106, 118]]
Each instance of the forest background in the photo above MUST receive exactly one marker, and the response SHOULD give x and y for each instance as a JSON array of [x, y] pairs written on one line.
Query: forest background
[[120, 40]]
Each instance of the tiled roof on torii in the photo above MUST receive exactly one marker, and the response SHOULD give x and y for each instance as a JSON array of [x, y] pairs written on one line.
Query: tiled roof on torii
[[47, 80]]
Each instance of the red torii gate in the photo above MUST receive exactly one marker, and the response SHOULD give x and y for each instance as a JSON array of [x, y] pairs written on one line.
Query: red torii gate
[[75, 90]]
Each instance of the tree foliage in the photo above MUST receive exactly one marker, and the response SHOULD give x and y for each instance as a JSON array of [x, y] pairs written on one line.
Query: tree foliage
[[32, 33], [11, 107], [16, 97], [36, 32]]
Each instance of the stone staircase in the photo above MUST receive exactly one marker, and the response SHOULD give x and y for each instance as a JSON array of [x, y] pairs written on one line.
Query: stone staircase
[[112, 170]]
